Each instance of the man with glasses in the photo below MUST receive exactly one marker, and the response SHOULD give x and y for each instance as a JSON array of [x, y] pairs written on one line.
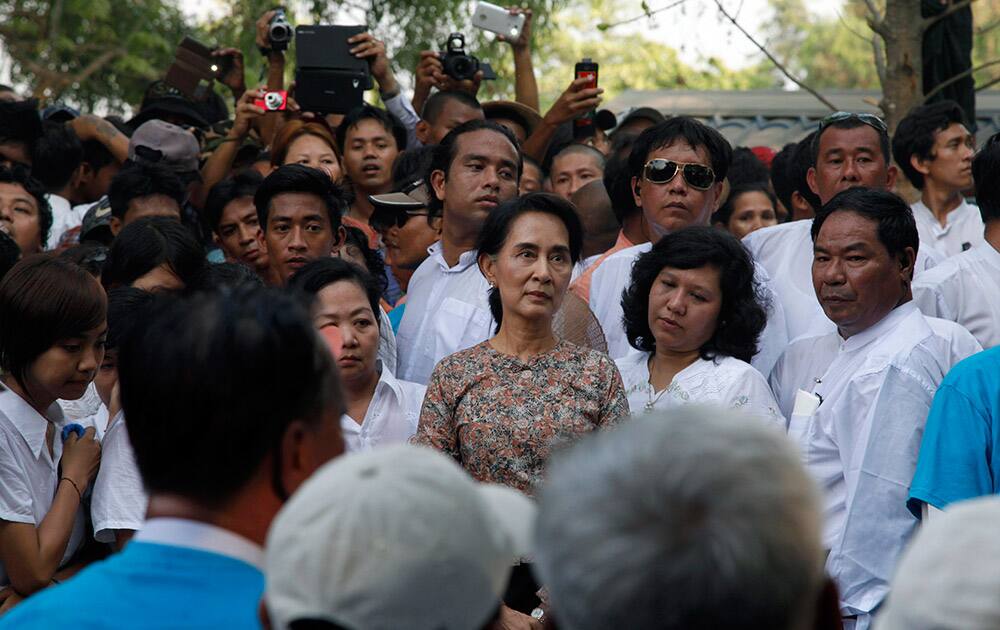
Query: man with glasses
[[848, 151], [677, 168]]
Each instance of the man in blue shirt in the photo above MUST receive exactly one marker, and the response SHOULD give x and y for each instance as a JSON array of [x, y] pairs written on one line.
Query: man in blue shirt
[[231, 402], [960, 451]]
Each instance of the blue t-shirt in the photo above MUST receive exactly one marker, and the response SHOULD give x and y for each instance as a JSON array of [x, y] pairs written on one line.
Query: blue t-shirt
[[149, 585], [960, 452]]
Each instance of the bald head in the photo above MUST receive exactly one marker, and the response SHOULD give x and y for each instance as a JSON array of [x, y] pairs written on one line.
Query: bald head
[[600, 227]]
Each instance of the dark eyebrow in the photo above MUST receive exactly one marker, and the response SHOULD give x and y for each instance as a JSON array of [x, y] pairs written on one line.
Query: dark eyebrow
[[363, 310]]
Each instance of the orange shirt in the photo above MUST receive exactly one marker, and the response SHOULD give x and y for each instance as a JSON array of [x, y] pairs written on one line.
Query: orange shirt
[[582, 285]]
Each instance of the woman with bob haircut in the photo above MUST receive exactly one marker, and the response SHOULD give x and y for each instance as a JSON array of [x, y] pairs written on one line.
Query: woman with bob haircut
[[53, 322], [310, 144], [154, 254], [499, 407], [693, 313], [381, 409]]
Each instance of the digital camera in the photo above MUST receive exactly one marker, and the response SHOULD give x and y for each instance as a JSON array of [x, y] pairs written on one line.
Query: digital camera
[[279, 31], [273, 101], [457, 64]]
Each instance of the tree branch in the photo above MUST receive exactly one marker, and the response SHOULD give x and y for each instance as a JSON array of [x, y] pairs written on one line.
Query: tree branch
[[603, 26], [989, 83], [959, 77], [875, 18], [986, 28], [773, 60], [954, 8], [880, 65]]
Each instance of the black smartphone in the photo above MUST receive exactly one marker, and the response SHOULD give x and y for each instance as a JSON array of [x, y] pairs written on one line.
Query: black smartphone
[[583, 127]]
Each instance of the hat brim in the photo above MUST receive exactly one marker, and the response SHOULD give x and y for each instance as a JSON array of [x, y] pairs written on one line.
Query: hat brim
[[175, 107], [518, 112]]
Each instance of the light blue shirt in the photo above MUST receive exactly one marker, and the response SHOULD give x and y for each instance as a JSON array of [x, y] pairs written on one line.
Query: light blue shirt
[[960, 452]]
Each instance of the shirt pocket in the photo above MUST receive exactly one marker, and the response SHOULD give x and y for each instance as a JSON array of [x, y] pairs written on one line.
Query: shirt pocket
[[460, 325]]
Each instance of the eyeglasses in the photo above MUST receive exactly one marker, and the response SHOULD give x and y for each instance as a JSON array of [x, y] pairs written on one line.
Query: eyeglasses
[[661, 171], [871, 120]]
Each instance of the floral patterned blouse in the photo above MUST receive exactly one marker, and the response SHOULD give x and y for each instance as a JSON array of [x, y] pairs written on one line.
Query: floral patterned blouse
[[500, 417]]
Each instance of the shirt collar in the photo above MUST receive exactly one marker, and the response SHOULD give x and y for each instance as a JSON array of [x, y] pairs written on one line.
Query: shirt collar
[[182, 532], [465, 260], [29, 423], [990, 254], [886, 324], [57, 201], [387, 380]]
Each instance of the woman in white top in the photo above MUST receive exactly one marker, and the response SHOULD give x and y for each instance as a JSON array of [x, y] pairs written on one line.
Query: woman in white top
[[693, 314], [52, 327], [380, 408]]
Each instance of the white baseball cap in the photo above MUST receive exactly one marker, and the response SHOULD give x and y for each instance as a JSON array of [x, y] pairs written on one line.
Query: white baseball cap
[[948, 577], [399, 537]]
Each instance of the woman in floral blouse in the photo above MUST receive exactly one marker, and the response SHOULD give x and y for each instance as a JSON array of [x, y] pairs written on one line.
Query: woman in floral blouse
[[502, 406], [693, 315]]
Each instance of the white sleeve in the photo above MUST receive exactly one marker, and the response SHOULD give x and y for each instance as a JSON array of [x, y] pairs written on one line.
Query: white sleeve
[[879, 457], [119, 500], [931, 303], [755, 397], [401, 108], [16, 505], [774, 338]]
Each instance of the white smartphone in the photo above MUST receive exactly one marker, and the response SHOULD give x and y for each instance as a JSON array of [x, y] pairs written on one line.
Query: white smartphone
[[490, 17]]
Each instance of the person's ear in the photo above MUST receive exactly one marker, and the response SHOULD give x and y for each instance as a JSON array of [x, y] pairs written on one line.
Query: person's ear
[[437, 183], [487, 265], [115, 225], [340, 239], [907, 264], [919, 164], [300, 455], [811, 180], [82, 176], [721, 191], [636, 188], [422, 131], [801, 208], [891, 174]]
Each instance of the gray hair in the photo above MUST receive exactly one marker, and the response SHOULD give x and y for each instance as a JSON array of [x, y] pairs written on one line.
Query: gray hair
[[694, 518]]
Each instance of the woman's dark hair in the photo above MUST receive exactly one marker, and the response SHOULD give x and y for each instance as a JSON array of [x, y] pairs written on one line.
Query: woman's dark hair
[[10, 253], [126, 309], [43, 299], [742, 316], [147, 243], [20, 175], [374, 263], [501, 220], [242, 184], [723, 214], [323, 272], [224, 275]]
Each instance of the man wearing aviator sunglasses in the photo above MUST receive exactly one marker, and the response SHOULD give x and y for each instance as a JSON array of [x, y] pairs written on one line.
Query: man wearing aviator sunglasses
[[677, 168]]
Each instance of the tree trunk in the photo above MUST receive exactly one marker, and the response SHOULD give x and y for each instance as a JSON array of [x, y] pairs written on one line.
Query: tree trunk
[[903, 85]]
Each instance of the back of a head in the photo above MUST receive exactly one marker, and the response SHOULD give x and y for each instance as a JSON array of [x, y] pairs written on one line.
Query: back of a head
[[202, 376], [746, 168], [798, 169], [946, 579], [136, 180], [780, 179], [696, 518], [56, 156], [986, 173], [618, 180], [147, 243]]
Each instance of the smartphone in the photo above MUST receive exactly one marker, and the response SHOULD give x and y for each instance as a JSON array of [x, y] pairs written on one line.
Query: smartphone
[[583, 127], [490, 17], [276, 101]]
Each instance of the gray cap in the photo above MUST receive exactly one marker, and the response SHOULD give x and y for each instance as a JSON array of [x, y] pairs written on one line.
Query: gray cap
[[159, 142]]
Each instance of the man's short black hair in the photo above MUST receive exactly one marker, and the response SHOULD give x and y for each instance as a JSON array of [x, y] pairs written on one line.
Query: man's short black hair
[[20, 175], [242, 184], [850, 123], [56, 156], [211, 382], [215, 276], [692, 133], [617, 180], [746, 168], [742, 316], [445, 152], [97, 155], [896, 228], [584, 149], [411, 165], [365, 112], [298, 178], [798, 170], [986, 174], [780, 180], [435, 104], [149, 242], [45, 299], [915, 135], [137, 180]]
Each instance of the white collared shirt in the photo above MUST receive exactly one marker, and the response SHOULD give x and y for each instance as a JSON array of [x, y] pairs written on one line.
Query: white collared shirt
[[725, 381], [447, 310], [85, 406], [963, 228], [182, 532], [614, 276], [861, 443], [65, 217], [29, 476], [786, 252], [119, 500], [392, 415], [965, 289]]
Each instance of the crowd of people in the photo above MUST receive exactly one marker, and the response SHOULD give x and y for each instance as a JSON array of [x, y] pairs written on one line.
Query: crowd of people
[[443, 363]]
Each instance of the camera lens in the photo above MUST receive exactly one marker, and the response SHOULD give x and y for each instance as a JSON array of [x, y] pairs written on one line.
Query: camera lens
[[280, 32]]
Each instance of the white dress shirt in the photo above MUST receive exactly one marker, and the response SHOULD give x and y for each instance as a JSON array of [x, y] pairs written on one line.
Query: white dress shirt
[[965, 289], [181, 532], [857, 409], [725, 381], [29, 476], [83, 407], [786, 252], [392, 415], [963, 228], [447, 310], [119, 500], [614, 276]]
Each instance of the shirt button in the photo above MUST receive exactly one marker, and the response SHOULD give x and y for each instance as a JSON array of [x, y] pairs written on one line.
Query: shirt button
[[526, 374]]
